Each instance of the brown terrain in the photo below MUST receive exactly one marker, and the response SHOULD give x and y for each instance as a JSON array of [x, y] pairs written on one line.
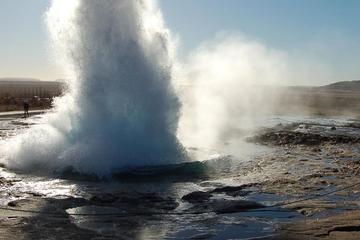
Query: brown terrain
[[39, 94], [342, 98]]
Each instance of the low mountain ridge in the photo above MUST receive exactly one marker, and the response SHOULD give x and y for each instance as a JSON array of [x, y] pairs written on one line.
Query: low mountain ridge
[[345, 85]]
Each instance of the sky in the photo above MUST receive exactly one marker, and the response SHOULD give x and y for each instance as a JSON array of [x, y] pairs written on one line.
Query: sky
[[325, 32]]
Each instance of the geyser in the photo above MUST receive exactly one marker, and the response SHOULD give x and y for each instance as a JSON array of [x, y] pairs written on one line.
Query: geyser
[[120, 108]]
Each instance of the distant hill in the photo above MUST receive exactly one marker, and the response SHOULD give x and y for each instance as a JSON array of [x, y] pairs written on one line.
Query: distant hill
[[29, 87], [19, 79], [346, 85]]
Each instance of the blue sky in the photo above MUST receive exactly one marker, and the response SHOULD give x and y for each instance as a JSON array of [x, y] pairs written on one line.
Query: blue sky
[[280, 23], [23, 47], [326, 30]]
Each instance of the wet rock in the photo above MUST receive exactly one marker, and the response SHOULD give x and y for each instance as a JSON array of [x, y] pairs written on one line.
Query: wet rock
[[341, 226], [323, 182], [36, 204], [316, 150], [310, 207], [280, 181], [284, 181], [47, 225], [104, 198], [304, 160], [188, 171], [304, 126], [202, 236], [196, 197], [12, 204], [144, 202], [232, 189], [63, 204], [351, 168], [239, 193], [35, 194], [300, 138], [25, 124], [42, 226], [354, 125], [312, 176], [221, 206], [5, 182]]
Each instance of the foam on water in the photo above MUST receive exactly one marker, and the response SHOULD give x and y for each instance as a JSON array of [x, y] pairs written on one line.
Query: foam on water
[[120, 108]]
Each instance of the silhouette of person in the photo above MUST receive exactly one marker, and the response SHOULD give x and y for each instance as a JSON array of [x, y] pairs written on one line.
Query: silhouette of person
[[26, 108]]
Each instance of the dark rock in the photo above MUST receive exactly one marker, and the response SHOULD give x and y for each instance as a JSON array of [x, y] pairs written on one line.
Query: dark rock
[[69, 202], [300, 138], [104, 198], [202, 236], [311, 176], [282, 181], [229, 189], [239, 193], [144, 202], [35, 194], [196, 197], [12, 204], [5, 182], [221, 206], [316, 150]]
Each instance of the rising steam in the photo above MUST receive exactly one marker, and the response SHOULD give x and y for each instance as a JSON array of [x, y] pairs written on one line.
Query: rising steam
[[227, 87]]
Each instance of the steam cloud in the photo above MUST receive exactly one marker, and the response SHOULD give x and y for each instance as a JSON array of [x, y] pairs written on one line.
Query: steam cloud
[[227, 87]]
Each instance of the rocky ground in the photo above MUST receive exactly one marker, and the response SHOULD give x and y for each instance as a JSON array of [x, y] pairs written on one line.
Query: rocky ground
[[309, 160], [330, 159]]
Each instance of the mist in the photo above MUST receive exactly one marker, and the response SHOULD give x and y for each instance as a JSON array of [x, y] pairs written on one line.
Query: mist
[[233, 81], [228, 85]]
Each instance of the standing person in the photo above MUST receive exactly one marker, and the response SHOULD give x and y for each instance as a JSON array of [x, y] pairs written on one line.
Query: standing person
[[26, 108]]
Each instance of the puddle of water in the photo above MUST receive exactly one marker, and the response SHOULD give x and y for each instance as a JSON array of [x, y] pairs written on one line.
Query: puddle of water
[[100, 224]]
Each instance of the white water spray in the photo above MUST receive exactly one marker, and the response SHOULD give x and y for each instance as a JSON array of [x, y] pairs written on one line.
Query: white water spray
[[121, 109]]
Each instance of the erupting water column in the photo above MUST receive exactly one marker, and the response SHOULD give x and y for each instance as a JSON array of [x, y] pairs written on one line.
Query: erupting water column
[[121, 109]]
